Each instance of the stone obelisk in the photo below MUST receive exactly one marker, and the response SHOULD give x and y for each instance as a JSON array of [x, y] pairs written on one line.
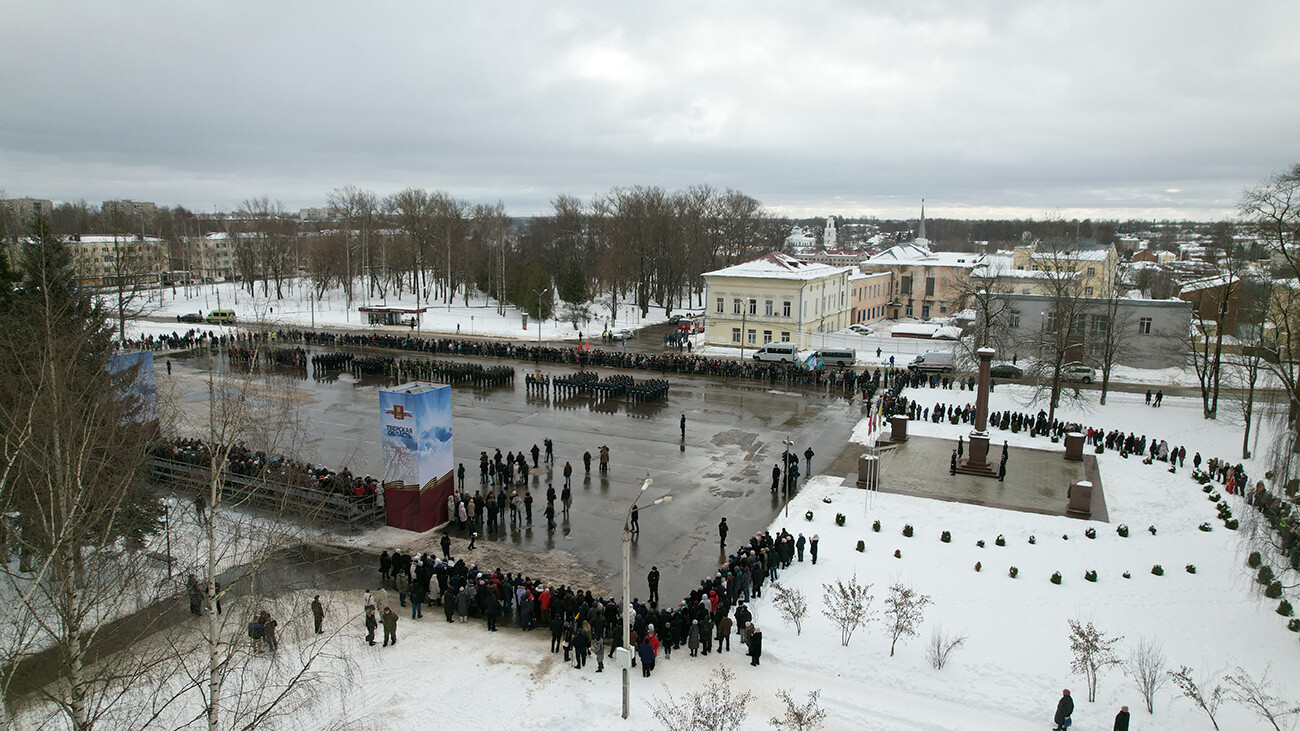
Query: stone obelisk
[[977, 455]]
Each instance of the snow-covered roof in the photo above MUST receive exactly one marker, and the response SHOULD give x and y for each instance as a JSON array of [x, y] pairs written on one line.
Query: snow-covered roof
[[779, 266], [916, 252], [110, 239], [918, 328]]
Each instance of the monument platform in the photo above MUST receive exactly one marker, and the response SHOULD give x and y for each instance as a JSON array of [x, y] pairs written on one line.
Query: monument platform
[[1037, 480]]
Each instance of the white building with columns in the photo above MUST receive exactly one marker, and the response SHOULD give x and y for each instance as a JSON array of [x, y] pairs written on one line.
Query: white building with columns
[[775, 298]]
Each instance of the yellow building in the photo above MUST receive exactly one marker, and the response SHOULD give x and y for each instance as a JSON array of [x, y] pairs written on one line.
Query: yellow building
[[775, 298], [1095, 265], [99, 260], [923, 283]]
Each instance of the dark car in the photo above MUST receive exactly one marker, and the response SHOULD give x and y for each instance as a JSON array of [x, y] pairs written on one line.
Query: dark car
[[189, 317], [1006, 370]]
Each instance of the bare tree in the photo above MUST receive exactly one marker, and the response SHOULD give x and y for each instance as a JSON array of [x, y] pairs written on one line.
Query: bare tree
[[941, 647], [1061, 341], [805, 717], [1256, 694], [1207, 702], [791, 605], [848, 605], [1213, 319], [984, 289], [1146, 665], [716, 706], [1093, 651], [904, 612], [1110, 330]]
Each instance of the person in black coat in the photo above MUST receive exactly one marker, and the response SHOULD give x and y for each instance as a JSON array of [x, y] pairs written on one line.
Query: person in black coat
[[653, 579], [1121, 719], [1064, 709], [755, 645], [446, 546], [647, 654], [385, 565], [722, 531], [557, 630]]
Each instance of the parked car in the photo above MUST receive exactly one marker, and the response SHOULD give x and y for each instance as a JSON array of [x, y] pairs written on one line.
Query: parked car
[[681, 317], [621, 334], [778, 352], [860, 329], [1077, 372], [189, 317], [933, 362], [1006, 370]]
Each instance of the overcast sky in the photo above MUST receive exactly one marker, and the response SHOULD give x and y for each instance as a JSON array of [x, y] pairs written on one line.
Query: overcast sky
[[1000, 108]]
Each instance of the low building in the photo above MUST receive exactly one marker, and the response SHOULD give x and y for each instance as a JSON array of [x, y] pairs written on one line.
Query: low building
[[775, 298], [923, 283], [871, 296], [1155, 332], [102, 260], [1095, 264]]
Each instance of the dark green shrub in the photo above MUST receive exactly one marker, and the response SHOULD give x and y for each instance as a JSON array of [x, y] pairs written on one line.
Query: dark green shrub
[[876, 526], [1231, 524], [1284, 608], [1013, 572], [1152, 528], [1032, 540], [1158, 570], [862, 547], [808, 515], [1191, 568], [1056, 577], [980, 543], [1091, 533], [907, 531], [1206, 527], [978, 566], [1065, 536], [1265, 575], [999, 541], [946, 537], [1122, 530], [1274, 590], [839, 519], [1090, 576], [1293, 625], [1254, 560], [898, 553], [1214, 497], [1127, 575], [1207, 489]]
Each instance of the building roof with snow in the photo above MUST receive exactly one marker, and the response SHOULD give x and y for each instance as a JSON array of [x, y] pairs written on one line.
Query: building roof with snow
[[918, 253], [779, 266]]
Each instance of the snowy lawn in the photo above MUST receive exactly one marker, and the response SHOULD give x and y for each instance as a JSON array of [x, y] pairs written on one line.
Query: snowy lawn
[[298, 309]]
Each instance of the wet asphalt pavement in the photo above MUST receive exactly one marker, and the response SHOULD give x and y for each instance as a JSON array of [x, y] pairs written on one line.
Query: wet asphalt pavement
[[734, 433]]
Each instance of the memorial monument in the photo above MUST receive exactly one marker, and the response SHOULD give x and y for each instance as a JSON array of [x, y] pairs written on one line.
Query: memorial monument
[[977, 455]]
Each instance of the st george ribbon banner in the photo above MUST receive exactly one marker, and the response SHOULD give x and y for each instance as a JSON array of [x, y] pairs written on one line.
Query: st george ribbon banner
[[418, 478]]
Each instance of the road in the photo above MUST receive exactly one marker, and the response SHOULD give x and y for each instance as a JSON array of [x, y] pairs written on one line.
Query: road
[[722, 468]]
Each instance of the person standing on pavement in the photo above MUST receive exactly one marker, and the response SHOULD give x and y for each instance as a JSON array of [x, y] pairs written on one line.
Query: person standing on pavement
[[722, 532], [652, 579], [799, 546], [683, 424], [635, 520], [604, 459], [807, 456], [586, 462], [776, 477], [568, 474]]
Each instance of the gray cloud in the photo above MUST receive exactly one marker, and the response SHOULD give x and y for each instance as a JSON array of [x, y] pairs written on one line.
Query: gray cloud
[[1023, 108]]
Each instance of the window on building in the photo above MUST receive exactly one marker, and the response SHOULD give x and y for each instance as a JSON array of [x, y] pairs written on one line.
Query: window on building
[[721, 305], [767, 308], [1092, 271], [1087, 291], [929, 286], [751, 337], [785, 308], [1051, 322], [735, 335], [735, 306], [785, 337], [1144, 326], [906, 284], [767, 336], [753, 306], [1014, 320], [943, 309], [909, 310], [1099, 324]]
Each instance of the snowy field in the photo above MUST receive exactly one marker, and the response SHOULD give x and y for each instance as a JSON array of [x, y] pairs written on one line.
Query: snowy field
[[298, 309], [1007, 675]]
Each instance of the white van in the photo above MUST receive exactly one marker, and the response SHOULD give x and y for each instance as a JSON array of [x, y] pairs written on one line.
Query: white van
[[777, 352], [934, 362], [834, 357]]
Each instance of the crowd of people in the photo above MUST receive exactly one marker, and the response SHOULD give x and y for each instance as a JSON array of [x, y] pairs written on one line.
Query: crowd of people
[[582, 625], [240, 460]]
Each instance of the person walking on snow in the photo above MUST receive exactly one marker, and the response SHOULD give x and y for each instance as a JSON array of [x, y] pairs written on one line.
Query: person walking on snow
[[390, 626], [722, 531], [1064, 709], [807, 456]]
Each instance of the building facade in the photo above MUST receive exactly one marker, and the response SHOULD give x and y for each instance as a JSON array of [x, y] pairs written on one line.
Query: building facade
[[775, 298], [870, 296], [103, 260], [22, 211], [923, 283], [1095, 265], [1155, 332], [129, 209]]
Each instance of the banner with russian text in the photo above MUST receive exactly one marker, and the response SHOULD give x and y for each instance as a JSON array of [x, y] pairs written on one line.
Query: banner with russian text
[[415, 420]]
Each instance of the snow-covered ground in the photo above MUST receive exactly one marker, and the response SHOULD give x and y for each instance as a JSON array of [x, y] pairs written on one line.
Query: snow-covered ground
[[1007, 675], [299, 309]]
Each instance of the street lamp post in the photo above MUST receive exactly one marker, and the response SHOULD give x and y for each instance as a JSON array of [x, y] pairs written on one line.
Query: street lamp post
[[627, 588]]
